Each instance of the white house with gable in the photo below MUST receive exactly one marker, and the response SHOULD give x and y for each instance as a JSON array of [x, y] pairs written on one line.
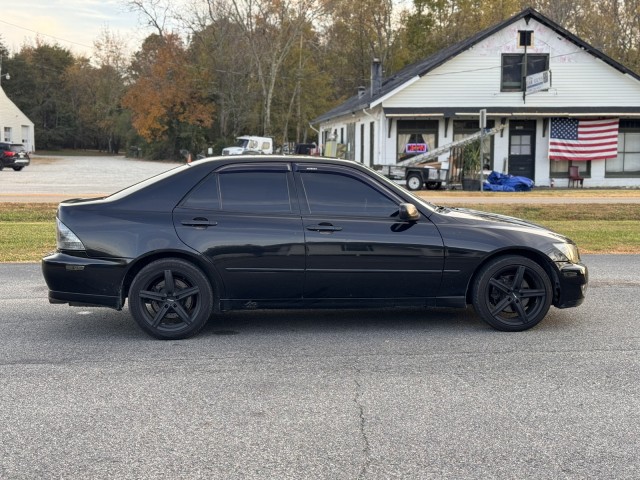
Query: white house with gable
[[437, 101], [15, 126]]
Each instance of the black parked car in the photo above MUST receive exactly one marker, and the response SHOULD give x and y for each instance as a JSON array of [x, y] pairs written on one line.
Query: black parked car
[[298, 232], [13, 155]]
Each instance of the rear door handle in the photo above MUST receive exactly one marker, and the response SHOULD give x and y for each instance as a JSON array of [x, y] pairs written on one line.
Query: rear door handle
[[199, 222], [324, 228]]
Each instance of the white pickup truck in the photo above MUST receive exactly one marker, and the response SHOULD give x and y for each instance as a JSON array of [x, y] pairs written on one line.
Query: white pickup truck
[[250, 144]]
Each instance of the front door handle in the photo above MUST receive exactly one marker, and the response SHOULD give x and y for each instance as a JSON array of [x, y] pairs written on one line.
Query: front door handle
[[323, 228], [199, 222]]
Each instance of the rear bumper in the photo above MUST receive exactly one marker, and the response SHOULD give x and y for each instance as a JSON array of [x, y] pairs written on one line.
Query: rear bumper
[[16, 162], [573, 280], [84, 281]]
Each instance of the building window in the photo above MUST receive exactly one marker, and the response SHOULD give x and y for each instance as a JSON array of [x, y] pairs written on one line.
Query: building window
[[627, 163], [7, 134], [520, 145], [351, 142], [513, 69], [560, 168], [525, 38], [465, 128], [415, 137]]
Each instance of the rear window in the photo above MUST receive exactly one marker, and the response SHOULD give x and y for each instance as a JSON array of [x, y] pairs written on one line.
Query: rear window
[[17, 148]]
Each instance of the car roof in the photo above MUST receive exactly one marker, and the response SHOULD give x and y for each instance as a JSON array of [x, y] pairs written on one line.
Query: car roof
[[230, 159]]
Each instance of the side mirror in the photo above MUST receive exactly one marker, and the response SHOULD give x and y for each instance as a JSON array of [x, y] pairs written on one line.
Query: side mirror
[[408, 212]]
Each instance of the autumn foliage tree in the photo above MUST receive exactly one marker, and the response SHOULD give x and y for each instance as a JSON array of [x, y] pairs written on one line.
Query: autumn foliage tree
[[169, 98]]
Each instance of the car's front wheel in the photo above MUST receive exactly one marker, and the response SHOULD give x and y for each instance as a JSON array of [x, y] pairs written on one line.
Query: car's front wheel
[[512, 293], [171, 299]]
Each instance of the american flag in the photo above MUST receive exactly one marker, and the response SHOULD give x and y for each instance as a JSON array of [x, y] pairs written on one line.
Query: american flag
[[574, 139]]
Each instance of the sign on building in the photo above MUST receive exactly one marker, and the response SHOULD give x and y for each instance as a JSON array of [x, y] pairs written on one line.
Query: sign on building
[[539, 82]]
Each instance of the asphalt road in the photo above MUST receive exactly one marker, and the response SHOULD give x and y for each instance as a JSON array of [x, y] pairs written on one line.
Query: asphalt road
[[411, 394]]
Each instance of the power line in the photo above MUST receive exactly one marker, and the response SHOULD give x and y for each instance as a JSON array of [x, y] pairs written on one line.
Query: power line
[[46, 35]]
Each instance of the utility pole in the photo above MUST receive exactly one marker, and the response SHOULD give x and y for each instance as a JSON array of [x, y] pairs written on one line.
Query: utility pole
[[483, 127]]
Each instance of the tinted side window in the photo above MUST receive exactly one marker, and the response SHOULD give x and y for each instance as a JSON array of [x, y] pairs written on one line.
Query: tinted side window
[[262, 192], [205, 195], [339, 194]]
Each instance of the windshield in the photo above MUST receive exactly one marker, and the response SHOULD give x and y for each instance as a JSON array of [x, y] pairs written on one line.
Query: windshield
[[242, 142]]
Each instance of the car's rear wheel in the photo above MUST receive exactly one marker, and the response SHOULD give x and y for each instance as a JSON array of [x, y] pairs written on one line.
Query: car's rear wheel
[[512, 293], [171, 299], [17, 169]]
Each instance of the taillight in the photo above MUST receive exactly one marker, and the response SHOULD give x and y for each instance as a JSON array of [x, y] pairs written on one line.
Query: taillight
[[66, 239], [9, 153]]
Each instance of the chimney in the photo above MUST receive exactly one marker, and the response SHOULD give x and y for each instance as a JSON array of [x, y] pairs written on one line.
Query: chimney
[[361, 91], [376, 76]]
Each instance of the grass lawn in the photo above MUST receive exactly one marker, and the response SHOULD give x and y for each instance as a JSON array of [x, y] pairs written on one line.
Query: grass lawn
[[27, 230]]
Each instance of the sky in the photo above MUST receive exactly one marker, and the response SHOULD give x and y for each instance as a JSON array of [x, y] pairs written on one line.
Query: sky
[[72, 24]]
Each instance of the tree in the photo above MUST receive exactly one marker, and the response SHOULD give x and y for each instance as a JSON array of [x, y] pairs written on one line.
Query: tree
[[220, 47], [168, 97], [37, 88], [271, 29], [302, 92], [357, 33]]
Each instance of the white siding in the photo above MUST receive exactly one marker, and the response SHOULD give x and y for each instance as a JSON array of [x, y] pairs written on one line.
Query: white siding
[[473, 77]]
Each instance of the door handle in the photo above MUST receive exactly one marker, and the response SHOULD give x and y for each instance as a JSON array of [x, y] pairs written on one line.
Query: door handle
[[323, 227], [199, 222]]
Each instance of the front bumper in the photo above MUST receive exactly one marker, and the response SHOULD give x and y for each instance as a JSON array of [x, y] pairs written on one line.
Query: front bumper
[[84, 281], [573, 280]]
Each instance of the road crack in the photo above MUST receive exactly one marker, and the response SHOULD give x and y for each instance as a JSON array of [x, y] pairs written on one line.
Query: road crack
[[366, 446]]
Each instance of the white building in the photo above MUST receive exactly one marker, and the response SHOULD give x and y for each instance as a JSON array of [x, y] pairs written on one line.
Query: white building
[[15, 126], [437, 101]]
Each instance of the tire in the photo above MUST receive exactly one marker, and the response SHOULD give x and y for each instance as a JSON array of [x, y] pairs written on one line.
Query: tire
[[173, 313], [433, 185], [17, 169], [414, 182], [512, 293]]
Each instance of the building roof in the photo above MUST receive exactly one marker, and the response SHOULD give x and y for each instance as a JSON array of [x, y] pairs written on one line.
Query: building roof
[[421, 68]]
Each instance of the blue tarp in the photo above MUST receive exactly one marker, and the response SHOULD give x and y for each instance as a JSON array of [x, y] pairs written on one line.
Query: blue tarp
[[500, 182]]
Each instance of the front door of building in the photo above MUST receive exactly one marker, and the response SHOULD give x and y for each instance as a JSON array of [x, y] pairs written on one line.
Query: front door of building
[[522, 142]]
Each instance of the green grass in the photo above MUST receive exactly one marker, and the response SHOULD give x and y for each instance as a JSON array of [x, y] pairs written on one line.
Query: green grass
[[604, 236], [27, 230], [559, 212]]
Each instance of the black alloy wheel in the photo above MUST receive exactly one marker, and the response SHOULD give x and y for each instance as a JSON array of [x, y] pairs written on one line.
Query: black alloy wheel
[[512, 293], [171, 299]]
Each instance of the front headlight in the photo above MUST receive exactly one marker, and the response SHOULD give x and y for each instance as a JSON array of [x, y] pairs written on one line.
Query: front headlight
[[564, 252], [66, 239]]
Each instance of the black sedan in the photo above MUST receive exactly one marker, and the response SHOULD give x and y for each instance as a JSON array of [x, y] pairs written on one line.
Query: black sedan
[[299, 232]]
